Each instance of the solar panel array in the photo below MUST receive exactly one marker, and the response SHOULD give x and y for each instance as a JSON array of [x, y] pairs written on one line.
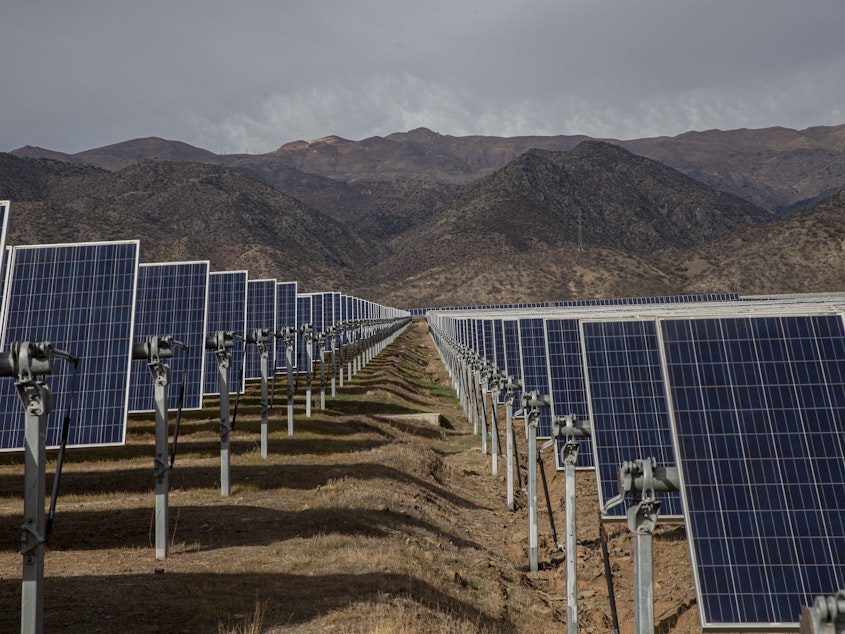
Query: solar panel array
[[566, 383], [171, 301], [750, 404], [81, 298], [285, 318], [227, 293], [304, 315], [260, 314]]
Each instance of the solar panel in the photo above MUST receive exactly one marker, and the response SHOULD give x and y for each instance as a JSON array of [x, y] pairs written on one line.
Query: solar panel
[[226, 313], [336, 309], [758, 412], [628, 407], [80, 298], [535, 367], [171, 300], [285, 318], [510, 330], [566, 381], [4, 223], [260, 313], [317, 312], [303, 316]]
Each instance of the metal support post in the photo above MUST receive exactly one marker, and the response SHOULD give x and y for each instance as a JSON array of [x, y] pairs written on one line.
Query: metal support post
[[350, 349], [496, 382], [308, 342], [481, 377], [341, 336], [511, 387], [153, 350], [321, 348], [645, 478], [532, 403], [473, 397], [261, 337], [289, 334], [220, 343], [265, 405], [333, 336], [569, 455], [567, 429], [27, 363], [826, 616], [161, 380], [37, 402]]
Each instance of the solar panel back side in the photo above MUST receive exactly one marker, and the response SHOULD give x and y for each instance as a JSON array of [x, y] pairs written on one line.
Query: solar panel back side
[[172, 299], [260, 313], [80, 298], [285, 318], [226, 313]]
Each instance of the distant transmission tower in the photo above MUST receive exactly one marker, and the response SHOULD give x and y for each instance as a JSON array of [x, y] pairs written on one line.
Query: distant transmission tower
[[580, 232]]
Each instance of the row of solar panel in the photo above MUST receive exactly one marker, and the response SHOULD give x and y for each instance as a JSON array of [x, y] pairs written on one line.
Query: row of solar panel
[[95, 300], [750, 407], [570, 303]]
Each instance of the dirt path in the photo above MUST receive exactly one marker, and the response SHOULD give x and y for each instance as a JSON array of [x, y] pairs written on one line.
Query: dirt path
[[357, 523]]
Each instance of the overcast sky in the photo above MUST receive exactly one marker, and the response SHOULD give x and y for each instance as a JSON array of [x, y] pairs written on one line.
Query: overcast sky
[[250, 76]]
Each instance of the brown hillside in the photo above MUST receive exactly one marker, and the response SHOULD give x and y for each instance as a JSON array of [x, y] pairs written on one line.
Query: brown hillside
[[804, 253], [186, 211], [626, 203]]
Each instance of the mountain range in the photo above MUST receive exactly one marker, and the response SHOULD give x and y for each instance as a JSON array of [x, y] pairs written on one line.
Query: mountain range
[[422, 219]]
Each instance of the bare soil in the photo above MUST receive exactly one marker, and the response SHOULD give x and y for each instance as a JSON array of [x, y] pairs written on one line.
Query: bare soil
[[357, 523]]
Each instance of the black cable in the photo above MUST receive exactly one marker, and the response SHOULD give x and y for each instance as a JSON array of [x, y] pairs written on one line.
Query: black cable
[[238, 395], [548, 499], [61, 457], [608, 574], [179, 410], [495, 423], [516, 455]]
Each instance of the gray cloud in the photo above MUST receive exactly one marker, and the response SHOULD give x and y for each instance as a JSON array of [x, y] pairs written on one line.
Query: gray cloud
[[235, 77]]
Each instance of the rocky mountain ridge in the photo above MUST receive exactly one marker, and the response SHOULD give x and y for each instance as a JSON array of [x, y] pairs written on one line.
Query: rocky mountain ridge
[[776, 168], [594, 221]]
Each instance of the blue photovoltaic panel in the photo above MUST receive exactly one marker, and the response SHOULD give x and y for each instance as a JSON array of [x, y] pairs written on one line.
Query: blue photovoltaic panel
[[336, 307], [478, 332], [285, 318], [80, 298], [171, 301], [535, 368], [487, 337], [510, 328], [758, 409], [498, 337], [566, 381], [317, 313], [328, 311], [303, 317], [628, 404], [499, 351], [303, 310], [260, 313], [226, 313]]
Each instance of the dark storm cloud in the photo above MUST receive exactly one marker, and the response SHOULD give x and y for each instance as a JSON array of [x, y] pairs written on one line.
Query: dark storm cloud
[[235, 77]]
